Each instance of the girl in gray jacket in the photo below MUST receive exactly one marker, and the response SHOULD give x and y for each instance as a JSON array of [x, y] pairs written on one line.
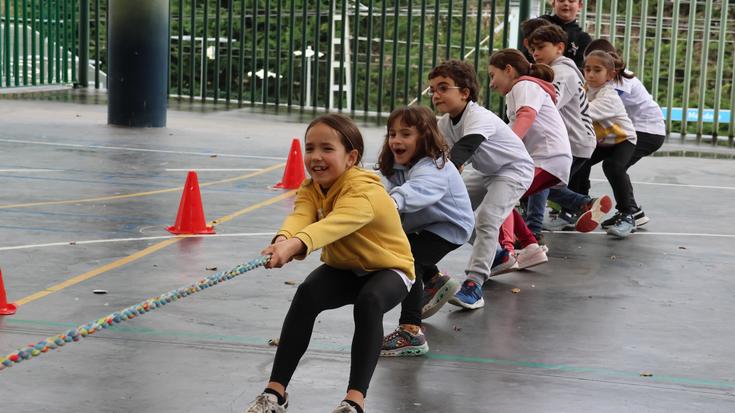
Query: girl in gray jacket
[[435, 213]]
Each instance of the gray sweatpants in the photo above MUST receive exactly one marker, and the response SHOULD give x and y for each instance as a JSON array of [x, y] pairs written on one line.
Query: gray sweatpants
[[493, 199]]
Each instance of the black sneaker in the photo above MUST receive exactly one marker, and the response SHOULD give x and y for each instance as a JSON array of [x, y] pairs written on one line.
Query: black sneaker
[[640, 218], [610, 222]]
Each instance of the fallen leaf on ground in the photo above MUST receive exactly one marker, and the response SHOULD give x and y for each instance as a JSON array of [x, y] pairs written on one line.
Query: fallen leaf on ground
[[291, 282], [646, 374], [211, 268], [99, 291], [273, 342], [515, 290], [612, 257], [455, 328], [682, 248]]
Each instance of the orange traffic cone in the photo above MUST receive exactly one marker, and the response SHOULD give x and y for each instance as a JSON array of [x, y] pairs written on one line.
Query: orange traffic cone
[[190, 219], [294, 174], [6, 308]]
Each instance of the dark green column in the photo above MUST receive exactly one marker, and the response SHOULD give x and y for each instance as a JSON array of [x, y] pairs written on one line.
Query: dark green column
[[137, 62], [523, 14], [83, 68]]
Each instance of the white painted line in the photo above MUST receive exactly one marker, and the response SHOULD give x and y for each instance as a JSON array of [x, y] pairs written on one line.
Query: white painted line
[[102, 241], [670, 234], [729, 188], [123, 148], [31, 170], [213, 169]]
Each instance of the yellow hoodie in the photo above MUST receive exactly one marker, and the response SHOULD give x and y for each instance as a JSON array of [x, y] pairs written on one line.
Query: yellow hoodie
[[355, 222]]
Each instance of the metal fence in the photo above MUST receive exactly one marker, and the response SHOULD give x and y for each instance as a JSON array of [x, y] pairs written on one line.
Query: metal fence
[[366, 57]]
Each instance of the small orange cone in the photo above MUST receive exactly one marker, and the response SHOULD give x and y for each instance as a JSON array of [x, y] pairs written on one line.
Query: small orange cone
[[294, 174], [6, 308], [190, 219]]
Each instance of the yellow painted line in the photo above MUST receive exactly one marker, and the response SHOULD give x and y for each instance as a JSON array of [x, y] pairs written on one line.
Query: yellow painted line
[[140, 254], [97, 271], [140, 194]]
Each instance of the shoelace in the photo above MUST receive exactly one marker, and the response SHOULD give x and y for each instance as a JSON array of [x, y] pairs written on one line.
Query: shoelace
[[262, 402]]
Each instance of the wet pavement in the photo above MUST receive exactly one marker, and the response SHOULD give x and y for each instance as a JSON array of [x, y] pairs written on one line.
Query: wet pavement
[[637, 325]]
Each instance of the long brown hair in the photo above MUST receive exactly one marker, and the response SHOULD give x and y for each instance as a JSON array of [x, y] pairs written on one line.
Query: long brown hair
[[431, 142], [350, 135], [516, 60]]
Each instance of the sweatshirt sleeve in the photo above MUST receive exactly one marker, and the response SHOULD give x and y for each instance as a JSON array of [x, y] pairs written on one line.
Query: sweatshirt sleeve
[[351, 212], [606, 104], [304, 213], [425, 187]]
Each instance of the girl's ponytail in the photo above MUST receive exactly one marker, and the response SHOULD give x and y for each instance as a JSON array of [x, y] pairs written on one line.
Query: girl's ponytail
[[620, 71], [515, 59], [541, 71]]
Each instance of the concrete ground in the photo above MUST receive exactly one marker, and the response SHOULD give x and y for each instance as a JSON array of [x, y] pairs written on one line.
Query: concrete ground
[[637, 325]]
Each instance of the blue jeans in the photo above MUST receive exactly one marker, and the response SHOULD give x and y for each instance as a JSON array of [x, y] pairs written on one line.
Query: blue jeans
[[535, 210], [565, 197]]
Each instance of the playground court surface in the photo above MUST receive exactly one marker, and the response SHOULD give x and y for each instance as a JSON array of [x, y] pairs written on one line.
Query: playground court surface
[[639, 325]]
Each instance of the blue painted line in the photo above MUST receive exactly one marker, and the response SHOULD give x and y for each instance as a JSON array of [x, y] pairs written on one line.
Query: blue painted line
[[324, 346]]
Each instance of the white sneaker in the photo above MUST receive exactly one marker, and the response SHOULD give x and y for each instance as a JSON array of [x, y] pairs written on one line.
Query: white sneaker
[[267, 403], [531, 256], [345, 407]]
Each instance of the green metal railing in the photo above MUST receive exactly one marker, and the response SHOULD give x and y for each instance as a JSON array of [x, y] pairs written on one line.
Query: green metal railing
[[367, 57], [39, 42]]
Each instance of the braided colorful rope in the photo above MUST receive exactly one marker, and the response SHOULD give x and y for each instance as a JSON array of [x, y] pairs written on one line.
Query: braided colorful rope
[[127, 314]]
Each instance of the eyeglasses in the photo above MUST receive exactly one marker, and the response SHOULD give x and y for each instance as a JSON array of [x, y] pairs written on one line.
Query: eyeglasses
[[442, 89]]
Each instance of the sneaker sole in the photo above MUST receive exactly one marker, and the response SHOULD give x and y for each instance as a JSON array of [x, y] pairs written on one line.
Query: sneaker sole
[[641, 221], [592, 218], [619, 235], [459, 303], [501, 269], [440, 298], [412, 351], [539, 257]]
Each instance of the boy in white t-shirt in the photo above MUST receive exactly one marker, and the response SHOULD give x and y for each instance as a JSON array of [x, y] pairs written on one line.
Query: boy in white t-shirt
[[547, 45], [501, 169]]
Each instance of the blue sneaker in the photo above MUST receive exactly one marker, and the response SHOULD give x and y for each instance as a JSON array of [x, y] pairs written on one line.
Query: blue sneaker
[[623, 227], [469, 296]]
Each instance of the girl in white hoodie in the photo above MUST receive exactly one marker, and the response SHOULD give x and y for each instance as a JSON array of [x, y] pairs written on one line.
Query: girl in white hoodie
[[616, 137], [531, 109]]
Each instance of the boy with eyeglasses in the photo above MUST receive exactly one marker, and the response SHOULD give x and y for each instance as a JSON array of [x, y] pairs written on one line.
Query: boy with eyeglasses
[[502, 169]]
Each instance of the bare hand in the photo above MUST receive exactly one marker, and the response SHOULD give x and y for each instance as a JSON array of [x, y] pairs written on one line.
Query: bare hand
[[283, 251]]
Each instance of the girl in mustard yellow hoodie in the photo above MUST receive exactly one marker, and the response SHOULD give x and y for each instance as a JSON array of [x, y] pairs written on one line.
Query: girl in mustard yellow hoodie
[[346, 212]]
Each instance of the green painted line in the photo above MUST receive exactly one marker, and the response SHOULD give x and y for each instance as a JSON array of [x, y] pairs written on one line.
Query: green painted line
[[323, 346]]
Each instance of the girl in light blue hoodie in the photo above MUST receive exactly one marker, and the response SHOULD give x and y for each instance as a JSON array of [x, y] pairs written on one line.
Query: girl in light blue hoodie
[[436, 214]]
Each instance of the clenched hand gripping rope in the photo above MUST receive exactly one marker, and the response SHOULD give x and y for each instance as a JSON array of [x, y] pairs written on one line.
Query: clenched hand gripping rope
[[127, 314]]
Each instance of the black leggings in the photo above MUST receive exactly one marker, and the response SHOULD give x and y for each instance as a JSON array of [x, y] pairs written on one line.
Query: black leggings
[[428, 249], [327, 288], [647, 144], [614, 160]]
